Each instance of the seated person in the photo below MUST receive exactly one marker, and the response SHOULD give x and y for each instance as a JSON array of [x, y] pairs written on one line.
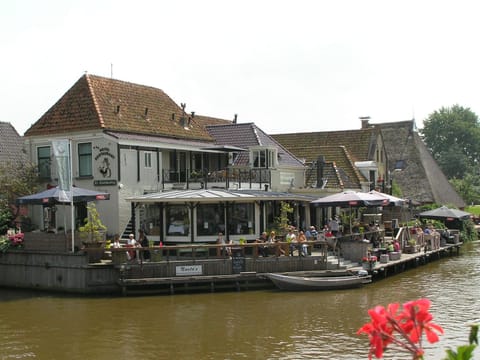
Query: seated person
[[445, 235], [311, 233], [225, 249], [273, 240], [263, 249], [390, 247], [427, 230], [116, 242], [396, 245], [327, 232]]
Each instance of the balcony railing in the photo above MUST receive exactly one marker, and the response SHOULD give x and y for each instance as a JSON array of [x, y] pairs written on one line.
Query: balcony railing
[[225, 178]]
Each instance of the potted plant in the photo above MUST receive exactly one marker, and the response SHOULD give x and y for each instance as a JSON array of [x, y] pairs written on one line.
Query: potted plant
[[411, 248], [92, 233]]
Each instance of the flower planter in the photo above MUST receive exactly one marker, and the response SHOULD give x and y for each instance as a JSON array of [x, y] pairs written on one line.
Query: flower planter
[[410, 249], [395, 255], [95, 251], [369, 265]]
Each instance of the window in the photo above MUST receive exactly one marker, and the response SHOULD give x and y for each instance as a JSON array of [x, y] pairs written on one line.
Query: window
[[148, 159], [264, 158], [178, 222], [150, 220], [44, 162], [210, 219], [241, 218], [85, 159], [197, 162]]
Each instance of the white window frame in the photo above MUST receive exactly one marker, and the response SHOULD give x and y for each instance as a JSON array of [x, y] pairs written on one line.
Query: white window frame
[[269, 156], [85, 172], [147, 159]]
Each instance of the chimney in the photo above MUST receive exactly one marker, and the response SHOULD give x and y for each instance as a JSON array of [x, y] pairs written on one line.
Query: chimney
[[235, 119], [320, 168], [365, 121]]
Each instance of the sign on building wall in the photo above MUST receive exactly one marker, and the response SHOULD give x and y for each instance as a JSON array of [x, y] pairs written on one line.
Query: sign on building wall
[[287, 178], [104, 161], [185, 270], [104, 182]]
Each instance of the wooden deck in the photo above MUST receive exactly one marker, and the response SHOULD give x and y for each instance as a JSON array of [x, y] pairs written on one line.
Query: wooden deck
[[219, 274], [408, 261]]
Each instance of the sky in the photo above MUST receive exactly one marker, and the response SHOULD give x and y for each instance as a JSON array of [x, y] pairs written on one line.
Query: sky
[[287, 66]]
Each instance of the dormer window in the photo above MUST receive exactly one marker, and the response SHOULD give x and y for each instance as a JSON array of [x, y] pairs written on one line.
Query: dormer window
[[263, 158]]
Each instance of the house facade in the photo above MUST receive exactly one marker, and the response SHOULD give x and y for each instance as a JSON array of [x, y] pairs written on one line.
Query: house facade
[[340, 160], [373, 157], [130, 140]]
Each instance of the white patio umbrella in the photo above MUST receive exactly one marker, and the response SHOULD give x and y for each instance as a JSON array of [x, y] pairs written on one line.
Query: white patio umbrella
[[392, 200], [351, 198]]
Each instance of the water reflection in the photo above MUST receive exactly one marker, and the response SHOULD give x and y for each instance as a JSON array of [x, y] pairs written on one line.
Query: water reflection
[[246, 325]]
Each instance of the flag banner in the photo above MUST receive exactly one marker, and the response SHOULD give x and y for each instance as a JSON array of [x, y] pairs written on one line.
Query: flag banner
[[61, 152], [64, 196]]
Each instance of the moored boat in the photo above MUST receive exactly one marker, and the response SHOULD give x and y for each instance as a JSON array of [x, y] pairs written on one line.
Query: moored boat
[[302, 283]]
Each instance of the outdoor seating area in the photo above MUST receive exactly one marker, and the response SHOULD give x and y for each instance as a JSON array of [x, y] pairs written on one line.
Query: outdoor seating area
[[213, 251]]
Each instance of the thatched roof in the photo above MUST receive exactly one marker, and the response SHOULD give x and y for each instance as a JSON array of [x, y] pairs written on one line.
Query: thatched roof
[[413, 167]]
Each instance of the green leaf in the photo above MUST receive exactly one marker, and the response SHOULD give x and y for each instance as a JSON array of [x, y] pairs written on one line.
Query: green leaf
[[464, 352]]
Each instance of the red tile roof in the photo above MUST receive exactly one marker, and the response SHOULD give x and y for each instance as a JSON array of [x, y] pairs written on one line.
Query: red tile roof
[[98, 103]]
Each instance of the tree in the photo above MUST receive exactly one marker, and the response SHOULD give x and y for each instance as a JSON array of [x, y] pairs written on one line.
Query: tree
[[16, 179], [453, 136], [469, 186], [282, 222]]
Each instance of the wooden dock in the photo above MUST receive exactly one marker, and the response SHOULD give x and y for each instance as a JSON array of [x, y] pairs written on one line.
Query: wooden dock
[[134, 283], [409, 261], [171, 272]]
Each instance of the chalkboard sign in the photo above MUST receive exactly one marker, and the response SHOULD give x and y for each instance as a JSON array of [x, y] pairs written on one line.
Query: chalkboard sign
[[238, 263]]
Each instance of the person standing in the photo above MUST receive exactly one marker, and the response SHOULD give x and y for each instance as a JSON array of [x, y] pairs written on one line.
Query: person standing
[[131, 243], [143, 242], [291, 240], [333, 225], [302, 244], [220, 241]]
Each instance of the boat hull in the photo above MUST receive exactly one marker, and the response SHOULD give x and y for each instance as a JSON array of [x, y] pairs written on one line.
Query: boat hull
[[300, 283]]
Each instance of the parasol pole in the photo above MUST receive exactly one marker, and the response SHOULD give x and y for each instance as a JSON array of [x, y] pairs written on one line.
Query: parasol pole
[[72, 209]]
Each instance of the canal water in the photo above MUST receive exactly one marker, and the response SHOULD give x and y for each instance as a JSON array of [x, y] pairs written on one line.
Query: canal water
[[265, 324]]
